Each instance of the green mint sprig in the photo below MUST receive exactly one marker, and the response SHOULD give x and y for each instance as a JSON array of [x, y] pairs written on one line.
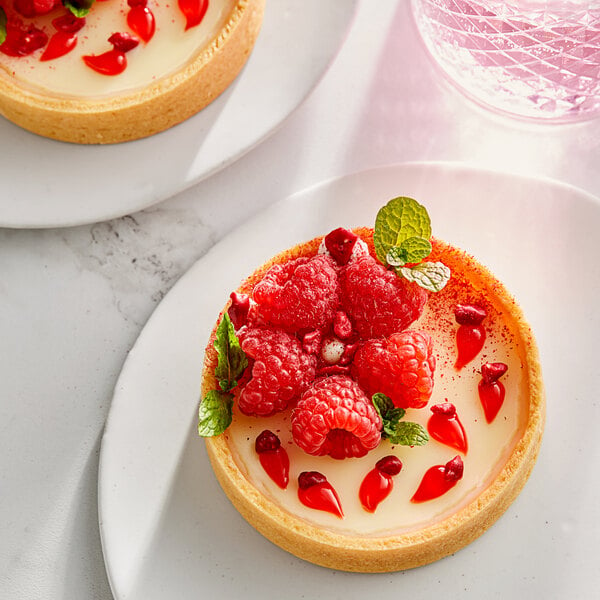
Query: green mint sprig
[[232, 359], [401, 237], [215, 412], [2, 25], [404, 433], [432, 276]]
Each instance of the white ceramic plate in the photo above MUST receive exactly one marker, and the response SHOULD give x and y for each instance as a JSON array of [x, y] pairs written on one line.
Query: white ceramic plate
[[168, 531], [46, 183]]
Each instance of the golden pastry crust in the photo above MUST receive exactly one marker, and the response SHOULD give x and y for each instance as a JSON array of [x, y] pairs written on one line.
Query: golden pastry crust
[[416, 548], [147, 111]]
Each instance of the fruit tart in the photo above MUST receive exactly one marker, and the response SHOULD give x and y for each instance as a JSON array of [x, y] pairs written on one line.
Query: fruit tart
[[372, 400], [102, 71]]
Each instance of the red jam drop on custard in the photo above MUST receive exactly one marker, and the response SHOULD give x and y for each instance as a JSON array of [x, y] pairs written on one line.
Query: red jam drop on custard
[[491, 390], [113, 62], [21, 39], [378, 482], [445, 427], [193, 11], [65, 38], [438, 480], [470, 335], [141, 19], [273, 458], [314, 491]]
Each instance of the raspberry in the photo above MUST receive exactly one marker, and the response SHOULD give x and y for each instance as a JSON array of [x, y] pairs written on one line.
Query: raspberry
[[400, 367], [32, 8], [301, 294], [377, 301], [334, 417], [281, 371]]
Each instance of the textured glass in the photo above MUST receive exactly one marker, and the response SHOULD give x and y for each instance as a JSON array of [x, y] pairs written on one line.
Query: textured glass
[[533, 58]]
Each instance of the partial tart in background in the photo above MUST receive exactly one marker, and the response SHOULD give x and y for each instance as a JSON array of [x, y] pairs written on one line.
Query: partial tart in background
[[372, 400], [109, 71]]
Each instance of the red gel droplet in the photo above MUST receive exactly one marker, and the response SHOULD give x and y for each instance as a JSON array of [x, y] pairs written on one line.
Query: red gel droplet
[[112, 62], [491, 391], [469, 342], [141, 20], [273, 458], [491, 396], [314, 491], [374, 488], [193, 11], [60, 43], [378, 482], [438, 480], [445, 427]]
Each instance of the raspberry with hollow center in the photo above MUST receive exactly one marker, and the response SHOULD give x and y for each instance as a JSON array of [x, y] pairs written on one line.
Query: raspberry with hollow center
[[377, 301], [301, 294], [334, 417], [280, 371], [400, 367]]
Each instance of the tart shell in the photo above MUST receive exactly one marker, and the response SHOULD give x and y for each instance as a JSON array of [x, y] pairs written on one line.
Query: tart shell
[[371, 554], [146, 111]]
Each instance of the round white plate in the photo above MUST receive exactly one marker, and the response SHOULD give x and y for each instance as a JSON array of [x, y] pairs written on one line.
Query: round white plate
[[167, 529], [46, 183]]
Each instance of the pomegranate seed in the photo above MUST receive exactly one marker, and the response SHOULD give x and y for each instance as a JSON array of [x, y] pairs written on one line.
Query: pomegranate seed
[[123, 41], [307, 479], [469, 314], [491, 372], [390, 465]]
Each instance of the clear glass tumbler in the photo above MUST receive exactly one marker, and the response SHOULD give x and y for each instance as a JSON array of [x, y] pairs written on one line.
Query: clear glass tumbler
[[533, 58]]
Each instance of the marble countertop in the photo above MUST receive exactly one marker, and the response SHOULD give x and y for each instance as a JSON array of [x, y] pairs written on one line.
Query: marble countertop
[[73, 301]]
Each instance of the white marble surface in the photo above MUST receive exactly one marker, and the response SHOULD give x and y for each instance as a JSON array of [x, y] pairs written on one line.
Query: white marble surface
[[73, 301]]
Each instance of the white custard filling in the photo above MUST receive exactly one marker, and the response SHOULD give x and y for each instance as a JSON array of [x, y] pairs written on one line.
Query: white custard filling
[[169, 50], [489, 445]]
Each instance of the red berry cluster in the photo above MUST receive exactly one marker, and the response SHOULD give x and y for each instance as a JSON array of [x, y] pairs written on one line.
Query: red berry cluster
[[326, 333]]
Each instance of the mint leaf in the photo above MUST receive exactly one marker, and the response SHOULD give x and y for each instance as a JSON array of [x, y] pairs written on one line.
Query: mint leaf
[[394, 429], [390, 415], [400, 219], [416, 249], [2, 25], [408, 433], [382, 403], [411, 250], [396, 256], [432, 276], [214, 414], [232, 359], [79, 8]]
